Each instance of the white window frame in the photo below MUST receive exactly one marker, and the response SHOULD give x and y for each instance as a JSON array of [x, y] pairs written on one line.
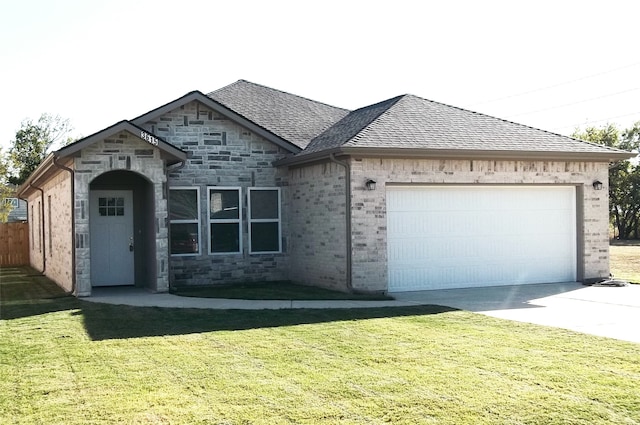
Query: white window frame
[[192, 221], [265, 220], [211, 221]]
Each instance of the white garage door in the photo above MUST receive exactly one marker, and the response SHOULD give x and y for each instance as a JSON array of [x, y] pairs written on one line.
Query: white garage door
[[468, 236]]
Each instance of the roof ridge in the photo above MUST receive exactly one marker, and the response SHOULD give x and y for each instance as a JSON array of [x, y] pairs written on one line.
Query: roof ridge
[[393, 101], [276, 90], [348, 127]]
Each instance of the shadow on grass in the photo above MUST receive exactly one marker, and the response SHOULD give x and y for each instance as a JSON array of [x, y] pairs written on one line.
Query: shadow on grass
[[105, 321], [23, 293]]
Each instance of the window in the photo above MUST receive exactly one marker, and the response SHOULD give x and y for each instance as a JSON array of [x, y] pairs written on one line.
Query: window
[[49, 225], [32, 228], [225, 235], [111, 206], [264, 220], [184, 216], [39, 240]]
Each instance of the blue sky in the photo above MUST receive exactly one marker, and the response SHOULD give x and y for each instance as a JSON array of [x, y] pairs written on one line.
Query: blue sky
[[553, 65]]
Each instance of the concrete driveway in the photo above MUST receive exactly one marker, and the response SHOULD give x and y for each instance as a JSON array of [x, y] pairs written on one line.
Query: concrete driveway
[[612, 312]]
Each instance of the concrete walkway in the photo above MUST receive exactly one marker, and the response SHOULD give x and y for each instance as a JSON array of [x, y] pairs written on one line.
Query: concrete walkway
[[142, 298], [612, 312]]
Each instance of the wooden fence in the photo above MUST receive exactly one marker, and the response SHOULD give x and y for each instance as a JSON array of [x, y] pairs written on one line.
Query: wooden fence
[[14, 244]]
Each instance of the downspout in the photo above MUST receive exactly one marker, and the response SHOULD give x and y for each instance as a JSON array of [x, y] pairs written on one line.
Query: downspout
[[347, 168], [73, 221], [168, 223], [43, 245]]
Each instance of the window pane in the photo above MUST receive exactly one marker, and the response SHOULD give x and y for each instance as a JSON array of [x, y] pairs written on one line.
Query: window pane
[[224, 237], [224, 204], [183, 204], [184, 238], [264, 204], [264, 237]]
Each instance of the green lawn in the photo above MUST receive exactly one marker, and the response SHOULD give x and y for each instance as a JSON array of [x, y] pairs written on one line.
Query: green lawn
[[625, 260], [68, 361]]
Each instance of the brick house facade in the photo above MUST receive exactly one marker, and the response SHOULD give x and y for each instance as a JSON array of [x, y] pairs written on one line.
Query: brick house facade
[[249, 183]]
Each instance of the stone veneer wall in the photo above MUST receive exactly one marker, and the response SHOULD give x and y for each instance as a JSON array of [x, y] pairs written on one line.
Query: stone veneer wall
[[222, 153], [123, 151], [369, 219], [318, 226]]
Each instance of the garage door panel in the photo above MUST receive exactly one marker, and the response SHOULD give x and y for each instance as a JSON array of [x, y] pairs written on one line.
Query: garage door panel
[[451, 237]]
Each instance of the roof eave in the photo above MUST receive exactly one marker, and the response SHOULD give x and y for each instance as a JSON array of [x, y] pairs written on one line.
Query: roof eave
[[306, 158], [221, 109], [489, 154], [44, 170], [456, 154]]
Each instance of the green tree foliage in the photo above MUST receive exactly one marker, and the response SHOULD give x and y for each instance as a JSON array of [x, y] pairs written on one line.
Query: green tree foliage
[[624, 177], [5, 189], [33, 141]]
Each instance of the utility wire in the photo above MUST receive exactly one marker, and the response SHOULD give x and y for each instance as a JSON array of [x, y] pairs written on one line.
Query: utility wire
[[552, 86], [595, 121], [574, 103]]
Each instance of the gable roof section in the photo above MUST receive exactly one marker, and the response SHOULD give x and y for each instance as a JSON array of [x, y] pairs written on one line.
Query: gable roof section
[[411, 125], [291, 117], [49, 165], [223, 110], [170, 152]]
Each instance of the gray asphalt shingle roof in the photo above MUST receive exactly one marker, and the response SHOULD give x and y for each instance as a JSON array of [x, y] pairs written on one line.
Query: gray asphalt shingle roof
[[414, 123], [293, 118], [403, 122], [349, 127]]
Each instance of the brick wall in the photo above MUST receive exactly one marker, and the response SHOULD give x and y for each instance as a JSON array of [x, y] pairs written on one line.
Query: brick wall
[[34, 216], [222, 153], [369, 207], [50, 245], [58, 231], [318, 238]]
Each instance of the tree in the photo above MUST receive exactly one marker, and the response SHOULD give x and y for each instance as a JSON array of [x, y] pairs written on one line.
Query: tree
[[624, 177], [5, 189], [33, 142]]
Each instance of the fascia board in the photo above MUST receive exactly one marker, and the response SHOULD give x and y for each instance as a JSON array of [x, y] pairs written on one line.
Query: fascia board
[[457, 154], [219, 108]]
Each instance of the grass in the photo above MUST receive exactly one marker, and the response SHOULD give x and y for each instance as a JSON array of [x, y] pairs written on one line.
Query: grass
[[272, 291], [625, 260], [64, 360]]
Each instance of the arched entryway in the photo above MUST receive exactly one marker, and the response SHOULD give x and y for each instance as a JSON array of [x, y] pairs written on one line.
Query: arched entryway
[[122, 242]]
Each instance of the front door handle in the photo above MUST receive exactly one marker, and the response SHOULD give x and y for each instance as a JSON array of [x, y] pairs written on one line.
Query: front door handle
[[131, 244]]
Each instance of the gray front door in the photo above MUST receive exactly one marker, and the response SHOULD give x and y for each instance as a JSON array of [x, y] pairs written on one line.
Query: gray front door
[[111, 237]]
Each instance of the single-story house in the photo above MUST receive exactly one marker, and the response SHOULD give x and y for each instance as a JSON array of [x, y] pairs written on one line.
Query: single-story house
[[249, 183]]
